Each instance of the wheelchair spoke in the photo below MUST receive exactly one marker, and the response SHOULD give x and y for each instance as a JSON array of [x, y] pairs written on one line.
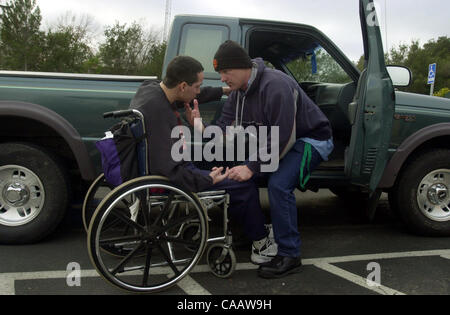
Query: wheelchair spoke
[[147, 265], [166, 208], [128, 221], [143, 209], [169, 261], [179, 240], [126, 259], [120, 239], [171, 225], [111, 224]]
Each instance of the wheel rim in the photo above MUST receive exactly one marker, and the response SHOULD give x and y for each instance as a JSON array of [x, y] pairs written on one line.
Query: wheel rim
[[221, 260], [99, 188], [142, 245], [433, 195], [22, 195]]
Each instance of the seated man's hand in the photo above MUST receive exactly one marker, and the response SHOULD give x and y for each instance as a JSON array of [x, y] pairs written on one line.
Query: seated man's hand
[[191, 114], [217, 175], [240, 173]]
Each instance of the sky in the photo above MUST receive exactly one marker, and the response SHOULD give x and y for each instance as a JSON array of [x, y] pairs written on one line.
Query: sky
[[401, 20]]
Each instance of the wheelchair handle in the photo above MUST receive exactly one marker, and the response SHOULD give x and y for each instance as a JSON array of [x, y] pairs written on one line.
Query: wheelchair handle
[[119, 113]]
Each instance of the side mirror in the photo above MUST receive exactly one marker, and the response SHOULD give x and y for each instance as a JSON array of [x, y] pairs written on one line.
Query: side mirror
[[400, 76]]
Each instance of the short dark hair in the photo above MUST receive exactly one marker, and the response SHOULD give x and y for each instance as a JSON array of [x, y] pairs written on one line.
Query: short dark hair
[[182, 69]]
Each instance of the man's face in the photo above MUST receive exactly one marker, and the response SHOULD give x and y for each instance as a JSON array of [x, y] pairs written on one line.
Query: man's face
[[189, 92], [235, 78]]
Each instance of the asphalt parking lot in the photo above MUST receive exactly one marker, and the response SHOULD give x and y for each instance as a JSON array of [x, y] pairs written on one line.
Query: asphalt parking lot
[[342, 254]]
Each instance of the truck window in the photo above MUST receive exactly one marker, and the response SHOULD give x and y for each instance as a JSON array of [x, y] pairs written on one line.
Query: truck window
[[201, 42], [324, 69]]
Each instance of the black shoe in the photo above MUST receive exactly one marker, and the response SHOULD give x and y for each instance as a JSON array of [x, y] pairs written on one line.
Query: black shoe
[[279, 267]]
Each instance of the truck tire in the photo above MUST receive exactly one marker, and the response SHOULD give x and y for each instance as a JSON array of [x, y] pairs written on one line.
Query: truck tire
[[423, 193], [34, 193]]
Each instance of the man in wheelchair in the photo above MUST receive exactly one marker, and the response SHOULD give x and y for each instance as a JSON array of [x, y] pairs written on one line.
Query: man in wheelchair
[[157, 101]]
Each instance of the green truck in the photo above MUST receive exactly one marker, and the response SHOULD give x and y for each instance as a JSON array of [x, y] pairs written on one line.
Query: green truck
[[385, 140]]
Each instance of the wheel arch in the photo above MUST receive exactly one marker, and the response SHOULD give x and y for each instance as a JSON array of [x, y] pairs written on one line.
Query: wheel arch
[[435, 136], [47, 127]]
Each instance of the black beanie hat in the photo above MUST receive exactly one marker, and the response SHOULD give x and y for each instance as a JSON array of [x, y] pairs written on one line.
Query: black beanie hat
[[231, 55]]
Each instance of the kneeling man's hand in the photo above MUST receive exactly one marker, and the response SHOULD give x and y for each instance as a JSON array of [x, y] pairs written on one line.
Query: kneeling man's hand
[[241, 173], [217, 175]]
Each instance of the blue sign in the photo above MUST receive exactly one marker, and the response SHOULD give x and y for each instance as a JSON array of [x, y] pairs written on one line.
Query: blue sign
[[431, 73]]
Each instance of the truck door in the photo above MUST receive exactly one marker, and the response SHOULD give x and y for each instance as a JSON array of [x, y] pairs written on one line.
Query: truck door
[[371, 112]]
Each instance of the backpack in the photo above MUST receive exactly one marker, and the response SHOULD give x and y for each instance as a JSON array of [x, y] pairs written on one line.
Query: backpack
[[122, 151]]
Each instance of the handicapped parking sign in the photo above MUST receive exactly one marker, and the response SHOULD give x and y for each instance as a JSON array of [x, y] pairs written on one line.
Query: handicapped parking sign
[[431, 73]]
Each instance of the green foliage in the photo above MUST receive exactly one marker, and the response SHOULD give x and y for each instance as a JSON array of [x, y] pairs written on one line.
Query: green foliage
[[328, 70], [131, 50], [65, 51], [67, 47], [445, 92], [122, 50], [22, 41], [417, 59], [155, 64]]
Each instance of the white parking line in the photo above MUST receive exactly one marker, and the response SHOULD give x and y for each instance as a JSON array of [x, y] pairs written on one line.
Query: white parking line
[[7, 279], [371, 257], [190, 286], [380, 289]]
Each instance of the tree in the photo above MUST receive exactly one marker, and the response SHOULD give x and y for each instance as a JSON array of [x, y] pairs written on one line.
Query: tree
[[84, 26], [155, 62], [21, 38], [417, 59], [130, 50], [328, 70], [434, 51], [121, 52], [68, 44], [65, 51], [445, 92]]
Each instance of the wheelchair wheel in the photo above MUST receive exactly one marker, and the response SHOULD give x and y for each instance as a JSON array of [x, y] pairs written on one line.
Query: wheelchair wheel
[[94, 196], [221, 260], [157, 254]]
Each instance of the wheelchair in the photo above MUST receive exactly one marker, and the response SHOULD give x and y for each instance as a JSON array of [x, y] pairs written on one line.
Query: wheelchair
[[147, 234]]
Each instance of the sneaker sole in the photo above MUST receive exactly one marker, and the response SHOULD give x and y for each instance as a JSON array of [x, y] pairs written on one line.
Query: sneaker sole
[[258, 260], [269, 275]]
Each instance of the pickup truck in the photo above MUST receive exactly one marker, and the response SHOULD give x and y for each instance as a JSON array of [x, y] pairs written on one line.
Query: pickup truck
[[385, 140]]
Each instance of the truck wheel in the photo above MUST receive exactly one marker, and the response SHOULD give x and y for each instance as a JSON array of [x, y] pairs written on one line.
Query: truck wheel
[[34, 193], [423, 193]]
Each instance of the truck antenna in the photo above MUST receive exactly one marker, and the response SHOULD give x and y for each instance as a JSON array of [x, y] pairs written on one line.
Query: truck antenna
[[3, 6], [167, 19]]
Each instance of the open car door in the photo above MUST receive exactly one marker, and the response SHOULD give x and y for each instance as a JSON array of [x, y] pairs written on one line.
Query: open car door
[[371, 112]]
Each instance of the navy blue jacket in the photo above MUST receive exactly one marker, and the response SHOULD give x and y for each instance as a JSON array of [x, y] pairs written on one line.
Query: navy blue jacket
[[275, 99]]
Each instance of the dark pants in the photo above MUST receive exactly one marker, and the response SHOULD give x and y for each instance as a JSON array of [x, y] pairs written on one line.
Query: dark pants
[[245, 208], [283, 208]]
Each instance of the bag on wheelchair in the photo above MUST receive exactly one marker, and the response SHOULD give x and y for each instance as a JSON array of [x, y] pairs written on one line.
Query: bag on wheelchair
[[119, 150]]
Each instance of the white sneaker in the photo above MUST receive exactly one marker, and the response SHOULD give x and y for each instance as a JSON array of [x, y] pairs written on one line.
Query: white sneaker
[[263, 251]]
